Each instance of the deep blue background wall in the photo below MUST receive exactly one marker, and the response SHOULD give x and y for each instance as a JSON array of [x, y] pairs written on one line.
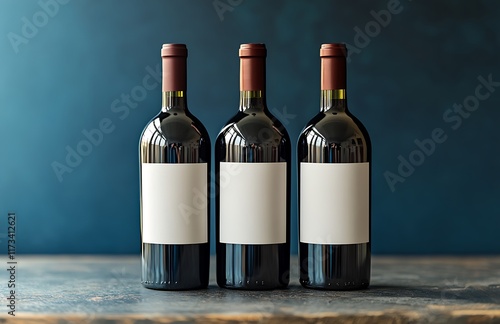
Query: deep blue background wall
[[62, 78]]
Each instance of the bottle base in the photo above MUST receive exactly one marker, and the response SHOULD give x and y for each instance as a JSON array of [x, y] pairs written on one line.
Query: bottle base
[[175, 267], [253, 267], [335, 267]]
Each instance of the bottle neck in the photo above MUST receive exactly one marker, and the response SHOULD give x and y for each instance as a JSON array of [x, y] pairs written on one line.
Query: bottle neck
[[333, 100], [333, 83], [173, 100], [174, 82], [252, 83]]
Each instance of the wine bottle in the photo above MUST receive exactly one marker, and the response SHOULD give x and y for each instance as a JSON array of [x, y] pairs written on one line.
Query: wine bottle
[[174, 167], [334, 154], [252, 165]]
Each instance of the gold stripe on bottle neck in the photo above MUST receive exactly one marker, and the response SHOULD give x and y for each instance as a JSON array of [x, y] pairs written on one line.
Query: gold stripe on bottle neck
[[170, 94], [252, 93], [334, 94]]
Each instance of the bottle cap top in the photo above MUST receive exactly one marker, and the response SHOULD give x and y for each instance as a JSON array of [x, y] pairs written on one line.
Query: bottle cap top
[[174, 50], [253, 50], [334, 49]]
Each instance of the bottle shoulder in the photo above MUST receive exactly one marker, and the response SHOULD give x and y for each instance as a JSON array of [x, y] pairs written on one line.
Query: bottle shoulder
[[175, 126], [333, 127], [254, 126], [334, 138]]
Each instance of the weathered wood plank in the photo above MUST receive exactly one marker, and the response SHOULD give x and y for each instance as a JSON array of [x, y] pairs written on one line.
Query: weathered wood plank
[[107, 289]]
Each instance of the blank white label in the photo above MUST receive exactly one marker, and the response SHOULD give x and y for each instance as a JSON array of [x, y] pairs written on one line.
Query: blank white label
[[253, 203], [334, 203], [174, 203]]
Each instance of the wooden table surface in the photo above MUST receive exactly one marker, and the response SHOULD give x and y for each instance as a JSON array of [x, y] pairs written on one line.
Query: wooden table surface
[[107, 289]]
